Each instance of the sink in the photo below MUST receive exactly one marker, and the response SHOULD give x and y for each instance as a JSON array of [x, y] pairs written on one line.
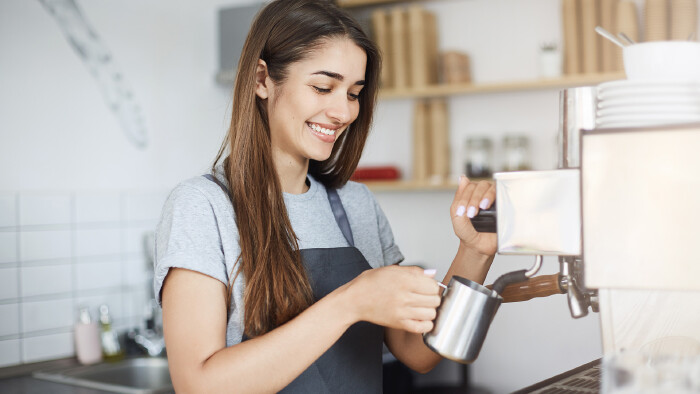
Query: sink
[[137, 375]]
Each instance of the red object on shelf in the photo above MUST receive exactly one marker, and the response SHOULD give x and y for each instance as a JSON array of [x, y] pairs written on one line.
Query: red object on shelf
[[376, 173]]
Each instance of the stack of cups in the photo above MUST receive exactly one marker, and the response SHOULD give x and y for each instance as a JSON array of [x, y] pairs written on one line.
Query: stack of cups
[[684, 19], [656, 20]]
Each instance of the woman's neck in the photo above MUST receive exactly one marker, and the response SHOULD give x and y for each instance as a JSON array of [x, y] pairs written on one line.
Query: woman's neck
[[292, 174]]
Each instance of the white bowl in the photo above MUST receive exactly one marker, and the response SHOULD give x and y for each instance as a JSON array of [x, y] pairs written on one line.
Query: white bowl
[[663, 61]]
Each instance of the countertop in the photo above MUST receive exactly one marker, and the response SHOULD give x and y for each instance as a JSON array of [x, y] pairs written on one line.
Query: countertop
[[19, 380]]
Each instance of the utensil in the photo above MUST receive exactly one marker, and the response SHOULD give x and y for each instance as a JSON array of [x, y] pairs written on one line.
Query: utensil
[[609, 36], [626, 38]]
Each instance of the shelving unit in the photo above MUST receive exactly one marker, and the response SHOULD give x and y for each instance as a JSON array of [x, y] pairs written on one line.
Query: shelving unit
[[399, 186], [461, 90], [513, 86], [364, 3]]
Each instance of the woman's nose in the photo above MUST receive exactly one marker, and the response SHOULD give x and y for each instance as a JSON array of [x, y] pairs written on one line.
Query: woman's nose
[[340, 109]]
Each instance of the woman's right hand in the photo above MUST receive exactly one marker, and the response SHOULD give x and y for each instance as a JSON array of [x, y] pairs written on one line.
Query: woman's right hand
[[397, 297]]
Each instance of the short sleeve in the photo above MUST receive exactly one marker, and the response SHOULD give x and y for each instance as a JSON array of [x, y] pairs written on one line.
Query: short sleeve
[[187, 236], [390, 251]]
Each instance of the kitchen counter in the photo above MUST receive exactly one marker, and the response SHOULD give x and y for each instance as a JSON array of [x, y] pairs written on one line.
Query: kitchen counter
[[29, 385], [19, 380]]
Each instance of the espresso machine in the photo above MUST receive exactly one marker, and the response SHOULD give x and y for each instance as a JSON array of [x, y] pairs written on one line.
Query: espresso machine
[[621, 213]]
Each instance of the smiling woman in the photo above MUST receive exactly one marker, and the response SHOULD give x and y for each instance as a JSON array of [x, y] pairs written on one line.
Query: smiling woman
[[275, 261]]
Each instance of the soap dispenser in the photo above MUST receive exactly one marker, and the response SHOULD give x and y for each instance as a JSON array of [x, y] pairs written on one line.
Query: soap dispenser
[[111, 350], [87, 339]]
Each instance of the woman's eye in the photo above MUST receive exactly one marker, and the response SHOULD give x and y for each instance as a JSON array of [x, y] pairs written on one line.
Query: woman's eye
[[353, 97], [321, 90]]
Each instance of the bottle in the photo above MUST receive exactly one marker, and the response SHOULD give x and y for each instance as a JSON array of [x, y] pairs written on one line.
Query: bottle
[[87, 339], [111, 350], [516, 153], [479, 157]]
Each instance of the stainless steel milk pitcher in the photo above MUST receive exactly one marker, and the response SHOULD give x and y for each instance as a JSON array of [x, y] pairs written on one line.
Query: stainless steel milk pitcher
[[463, 320]]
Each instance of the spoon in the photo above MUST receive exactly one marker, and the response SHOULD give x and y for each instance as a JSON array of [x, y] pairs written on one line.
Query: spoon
[[626, 38], [609, 36]]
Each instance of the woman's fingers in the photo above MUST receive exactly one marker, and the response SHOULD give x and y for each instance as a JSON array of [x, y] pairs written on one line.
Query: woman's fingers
[[417, 326], [423, 314], [482, 198]]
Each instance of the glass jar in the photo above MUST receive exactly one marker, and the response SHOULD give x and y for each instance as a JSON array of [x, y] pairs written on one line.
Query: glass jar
[[478, 157], [516, 153]]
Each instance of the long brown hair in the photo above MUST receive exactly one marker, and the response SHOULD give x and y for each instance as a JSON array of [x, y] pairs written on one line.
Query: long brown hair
[[285, 31]]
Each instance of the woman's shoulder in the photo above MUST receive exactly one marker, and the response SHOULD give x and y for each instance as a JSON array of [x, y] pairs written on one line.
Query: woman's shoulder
[[198, 190], [356, 195]]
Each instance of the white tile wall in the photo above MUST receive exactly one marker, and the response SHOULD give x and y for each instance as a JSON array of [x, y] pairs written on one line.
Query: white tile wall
[[47, 279], [47, 347], [9, 287], [8, 247], [97, 207], [142, 206], [135, 271], [61, 250], [44, 208], [45, 245], [135, 302], [9, 352], [98, 275], [46, 315], [9, 324], [8, 209], [98, 242], [134, 238]]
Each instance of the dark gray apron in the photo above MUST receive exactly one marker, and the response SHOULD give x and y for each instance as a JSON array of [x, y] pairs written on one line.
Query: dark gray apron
[[354, 363]]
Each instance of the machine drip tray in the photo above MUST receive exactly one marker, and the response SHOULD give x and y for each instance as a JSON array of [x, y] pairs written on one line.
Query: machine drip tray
[[582, 380]]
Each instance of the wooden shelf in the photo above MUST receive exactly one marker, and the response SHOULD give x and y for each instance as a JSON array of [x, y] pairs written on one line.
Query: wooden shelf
[[364, 3], [514, 86], [400, 186]]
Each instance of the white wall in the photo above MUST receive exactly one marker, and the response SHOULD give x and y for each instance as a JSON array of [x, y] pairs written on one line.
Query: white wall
[[57, 138], [76, 198]]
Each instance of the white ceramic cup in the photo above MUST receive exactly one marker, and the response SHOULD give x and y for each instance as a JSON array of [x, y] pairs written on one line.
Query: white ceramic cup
[[663, 61]]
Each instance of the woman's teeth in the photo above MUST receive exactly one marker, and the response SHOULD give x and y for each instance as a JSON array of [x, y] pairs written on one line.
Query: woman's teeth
[[320, 129]]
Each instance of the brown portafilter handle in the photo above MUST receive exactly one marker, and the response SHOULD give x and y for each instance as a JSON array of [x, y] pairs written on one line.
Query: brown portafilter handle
[[485, 220], [539, 286]]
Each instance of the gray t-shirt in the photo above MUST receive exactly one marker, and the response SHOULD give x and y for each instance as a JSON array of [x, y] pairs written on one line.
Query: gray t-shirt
[[197, 231]]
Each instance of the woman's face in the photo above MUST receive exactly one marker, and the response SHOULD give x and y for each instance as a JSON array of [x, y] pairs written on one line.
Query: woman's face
[[316, 103]]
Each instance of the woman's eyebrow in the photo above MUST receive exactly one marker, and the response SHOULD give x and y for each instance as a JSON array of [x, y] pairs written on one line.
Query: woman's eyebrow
[[337, 76]]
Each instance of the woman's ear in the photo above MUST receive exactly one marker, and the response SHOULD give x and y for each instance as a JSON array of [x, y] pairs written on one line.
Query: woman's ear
[[262, 80]]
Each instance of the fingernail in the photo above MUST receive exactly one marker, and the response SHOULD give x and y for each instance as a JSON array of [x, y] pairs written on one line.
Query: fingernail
[[430, 272], [471, 212], [460, 210], [459, 180], [484, 203]]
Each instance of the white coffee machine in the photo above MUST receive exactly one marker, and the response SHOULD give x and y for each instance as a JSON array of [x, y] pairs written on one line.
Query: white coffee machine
[[622, 212]]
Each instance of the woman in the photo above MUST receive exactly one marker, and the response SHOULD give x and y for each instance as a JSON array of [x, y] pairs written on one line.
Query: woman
[[275, 272]]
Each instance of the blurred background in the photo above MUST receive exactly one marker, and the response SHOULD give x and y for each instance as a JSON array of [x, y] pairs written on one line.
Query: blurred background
[[106, 105]]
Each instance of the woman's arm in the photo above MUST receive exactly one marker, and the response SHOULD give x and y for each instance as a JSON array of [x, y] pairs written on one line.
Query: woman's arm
[[473, 260], [194, 318]]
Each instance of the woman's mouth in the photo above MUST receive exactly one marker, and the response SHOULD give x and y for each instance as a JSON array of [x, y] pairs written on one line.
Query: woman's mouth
[[323, 133]]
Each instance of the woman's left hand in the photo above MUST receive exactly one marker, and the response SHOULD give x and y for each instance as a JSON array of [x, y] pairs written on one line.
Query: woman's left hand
[[469, 198]]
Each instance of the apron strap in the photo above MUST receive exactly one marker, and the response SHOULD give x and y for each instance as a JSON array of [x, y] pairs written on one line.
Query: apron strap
[[336, 206], [340, 217], [218, 182]]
